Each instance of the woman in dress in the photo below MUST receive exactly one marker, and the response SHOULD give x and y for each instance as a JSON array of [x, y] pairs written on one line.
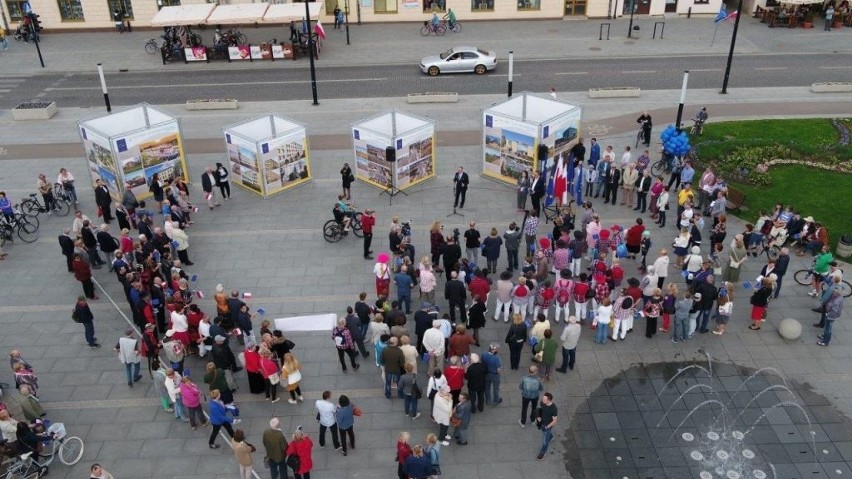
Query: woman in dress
[[759, 303], [382, 272], [523, 188], [155, 186], [256, 379], [271, 378], [347, 178], [736, 257], [291, 375]]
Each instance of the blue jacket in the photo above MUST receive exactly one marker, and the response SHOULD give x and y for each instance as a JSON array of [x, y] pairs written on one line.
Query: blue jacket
[[403, 283], [345, 418], [418, 467], [595, 154], [219, 414]]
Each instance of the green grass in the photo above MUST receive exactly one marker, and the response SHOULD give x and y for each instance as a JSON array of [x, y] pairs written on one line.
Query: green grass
[[812, 192], [807, 137]]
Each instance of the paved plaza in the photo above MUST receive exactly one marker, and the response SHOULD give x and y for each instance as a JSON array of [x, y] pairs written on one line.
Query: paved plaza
[[620, 416]]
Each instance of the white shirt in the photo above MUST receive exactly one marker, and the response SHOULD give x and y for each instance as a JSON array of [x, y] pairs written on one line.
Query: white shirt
[[626, 159], [608, 154], [204, 329], [61, 179], [127, 353], [604, 314], [433, 341], [382, 271], [179, 322], [661, 266], [326, 412]]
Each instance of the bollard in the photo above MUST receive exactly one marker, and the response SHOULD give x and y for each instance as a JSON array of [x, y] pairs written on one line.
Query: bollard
[[689, 13], [600, 36]]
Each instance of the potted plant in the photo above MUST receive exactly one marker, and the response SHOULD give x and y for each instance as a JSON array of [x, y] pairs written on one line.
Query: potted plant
[[809, 20]]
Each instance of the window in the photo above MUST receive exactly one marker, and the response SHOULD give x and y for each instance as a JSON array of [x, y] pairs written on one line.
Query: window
[[385, 6], [482, 5], [71, 10], [529, 5], [16, 9], [575, 7], [168, 3], [434, 6], [123, 6]]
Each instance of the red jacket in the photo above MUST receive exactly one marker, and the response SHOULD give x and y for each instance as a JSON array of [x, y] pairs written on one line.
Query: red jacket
[[252, 361], [82, 271], [367, 222], [634, 235], [479, 287], [455, 377], [403, 450], [302, 448]]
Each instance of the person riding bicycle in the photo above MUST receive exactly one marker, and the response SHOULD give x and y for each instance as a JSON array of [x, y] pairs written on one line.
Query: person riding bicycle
[[450, 17], [435, 21], [343, 213]]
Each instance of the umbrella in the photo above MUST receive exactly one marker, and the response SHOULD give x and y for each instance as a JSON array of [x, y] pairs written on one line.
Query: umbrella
[[195, 14]]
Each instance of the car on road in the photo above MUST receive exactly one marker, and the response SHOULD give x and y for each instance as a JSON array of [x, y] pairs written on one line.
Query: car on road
[[460, 60]]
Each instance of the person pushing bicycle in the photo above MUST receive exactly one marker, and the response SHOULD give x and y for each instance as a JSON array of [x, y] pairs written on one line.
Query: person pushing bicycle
[[699, 120]]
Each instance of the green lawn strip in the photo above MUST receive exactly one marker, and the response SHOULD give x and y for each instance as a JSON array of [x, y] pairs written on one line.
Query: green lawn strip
[[807, 137]]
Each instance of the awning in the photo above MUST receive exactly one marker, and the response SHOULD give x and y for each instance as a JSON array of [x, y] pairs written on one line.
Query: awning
[[287, 12], [194, 14], [237, 14]]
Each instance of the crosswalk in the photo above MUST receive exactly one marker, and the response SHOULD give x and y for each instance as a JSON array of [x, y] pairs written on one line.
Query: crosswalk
[[8, 84]]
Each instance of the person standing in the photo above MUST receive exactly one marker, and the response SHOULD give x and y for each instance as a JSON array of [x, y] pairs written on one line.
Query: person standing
[[130, 203], [276, 446], [83, 315], [98, 472], [103, 200], [353, 324], [531, 388], [219, 418], [394, 361], [46, 189], [410, 391], [208, 181], [781, 265], [456, 294], [242, 451], [759, 303], [491, 249], [462, 412], [475, 376], [223, 182], [404, 283], [472, 243], [829, 18], [512, 240], [433, 345], [367, 223], [345, 345], [66, 179], [646, 124], [83, 274], [345, 416], [570, 337], [190, 396], [537, 189], [326, 411], [833, 310], [523, 189], [494, 367], [300, 447], [680, 331], [460, 183], [66, 244], [127, 349], [547, 419], [346, 175], [642, 188]]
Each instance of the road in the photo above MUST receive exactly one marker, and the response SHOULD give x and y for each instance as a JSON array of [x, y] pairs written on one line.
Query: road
[[291, 81]]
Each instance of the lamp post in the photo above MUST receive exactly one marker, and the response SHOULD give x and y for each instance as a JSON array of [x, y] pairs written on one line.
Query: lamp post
[[511, 70], [346, 13], [632, 10], [311, 52], [682, 101], [731, 52], [104, 87]]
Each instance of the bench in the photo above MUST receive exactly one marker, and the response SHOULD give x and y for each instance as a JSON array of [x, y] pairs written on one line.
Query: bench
[[735, 199]]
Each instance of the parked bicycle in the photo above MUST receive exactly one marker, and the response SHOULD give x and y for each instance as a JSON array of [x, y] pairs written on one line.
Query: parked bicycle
[[230, 37], [805, 278], [428, 29], [152, 46], [32, 205], [69, 449], [24, 225]]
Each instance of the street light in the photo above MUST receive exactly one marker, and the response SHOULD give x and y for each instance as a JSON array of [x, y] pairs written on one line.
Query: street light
[[311, 52], [682, 101], [632, 10], [731, 52], [346, 13]]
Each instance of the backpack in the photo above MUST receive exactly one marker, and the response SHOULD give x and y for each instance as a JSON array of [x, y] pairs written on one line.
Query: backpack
[[75, 315], [563, 292], [621, 251]]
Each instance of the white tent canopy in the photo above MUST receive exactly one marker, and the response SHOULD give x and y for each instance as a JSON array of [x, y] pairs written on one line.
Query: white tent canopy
[[194, 14], [287, 12], [239, 13]]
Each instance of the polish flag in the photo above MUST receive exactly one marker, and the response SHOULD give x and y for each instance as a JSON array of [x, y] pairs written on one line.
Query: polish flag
[[319, 30], [199, 294], [246, 295]]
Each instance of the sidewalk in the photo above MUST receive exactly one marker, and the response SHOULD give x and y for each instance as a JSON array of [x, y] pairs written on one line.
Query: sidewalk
[[401, 43]]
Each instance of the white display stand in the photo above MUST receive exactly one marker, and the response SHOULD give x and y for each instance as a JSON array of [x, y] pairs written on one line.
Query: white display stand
[[126, 149], [513, 129], [315, 322], [268, 155], [412, 138]]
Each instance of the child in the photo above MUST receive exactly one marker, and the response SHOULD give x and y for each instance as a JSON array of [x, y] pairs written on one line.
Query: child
[[724, 312], [544, 298], [669, 301], [617, 273]]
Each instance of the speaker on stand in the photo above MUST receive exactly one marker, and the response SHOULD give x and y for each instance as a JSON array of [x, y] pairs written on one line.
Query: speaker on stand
[[392, 190]]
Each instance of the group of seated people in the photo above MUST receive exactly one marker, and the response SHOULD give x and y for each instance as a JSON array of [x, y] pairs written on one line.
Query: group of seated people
[[785, 224], [22, 437]]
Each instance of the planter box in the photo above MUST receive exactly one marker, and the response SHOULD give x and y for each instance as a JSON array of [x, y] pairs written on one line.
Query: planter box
[[831, 87], [193, 105], [433, 97], [35, 110], [615, 92]]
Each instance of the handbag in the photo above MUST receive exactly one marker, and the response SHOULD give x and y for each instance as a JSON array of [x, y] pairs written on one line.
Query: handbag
[[539, 356], [294, 377], [455, 421], [293, 462], [274, 379], [356, 411], [416, 391]]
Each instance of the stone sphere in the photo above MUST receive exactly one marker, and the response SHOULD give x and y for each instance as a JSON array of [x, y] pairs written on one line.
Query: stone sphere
[[790, 328]]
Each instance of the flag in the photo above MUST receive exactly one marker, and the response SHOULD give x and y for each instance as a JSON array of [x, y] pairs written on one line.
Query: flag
[[319, 30], [548, 199], [193, 278], [732, 15], [722, 15], [199, 294], [246, 295], [261, 311]]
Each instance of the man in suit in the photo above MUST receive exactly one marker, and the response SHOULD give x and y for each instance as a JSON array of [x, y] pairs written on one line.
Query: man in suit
[[103, 200], [642, 191], [107, 242], [91, 243], [460, 182], [536, 192], [613, 179], [66, 242], [456, 294], [208, 181]]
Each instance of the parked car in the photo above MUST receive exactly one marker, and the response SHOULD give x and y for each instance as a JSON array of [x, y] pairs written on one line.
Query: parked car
[[459, 60]]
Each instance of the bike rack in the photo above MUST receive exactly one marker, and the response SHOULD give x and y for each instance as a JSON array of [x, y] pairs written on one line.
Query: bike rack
[[662, 29], [607, 25]]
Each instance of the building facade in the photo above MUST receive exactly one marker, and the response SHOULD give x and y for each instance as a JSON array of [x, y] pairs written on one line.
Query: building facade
[[98, 14]]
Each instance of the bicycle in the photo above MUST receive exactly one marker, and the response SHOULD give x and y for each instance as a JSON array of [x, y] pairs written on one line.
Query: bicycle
[[333, 231], [152, 47], [24, 225], [803, 277], [455, 27], [69, 448], [697, 127], [428, 29], [62, 205]]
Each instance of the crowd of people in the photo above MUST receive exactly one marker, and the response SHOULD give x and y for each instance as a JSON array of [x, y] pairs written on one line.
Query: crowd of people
[[582, 272]]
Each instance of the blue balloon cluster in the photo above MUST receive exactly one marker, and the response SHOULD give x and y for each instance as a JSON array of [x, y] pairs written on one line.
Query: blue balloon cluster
[[674, 143]]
